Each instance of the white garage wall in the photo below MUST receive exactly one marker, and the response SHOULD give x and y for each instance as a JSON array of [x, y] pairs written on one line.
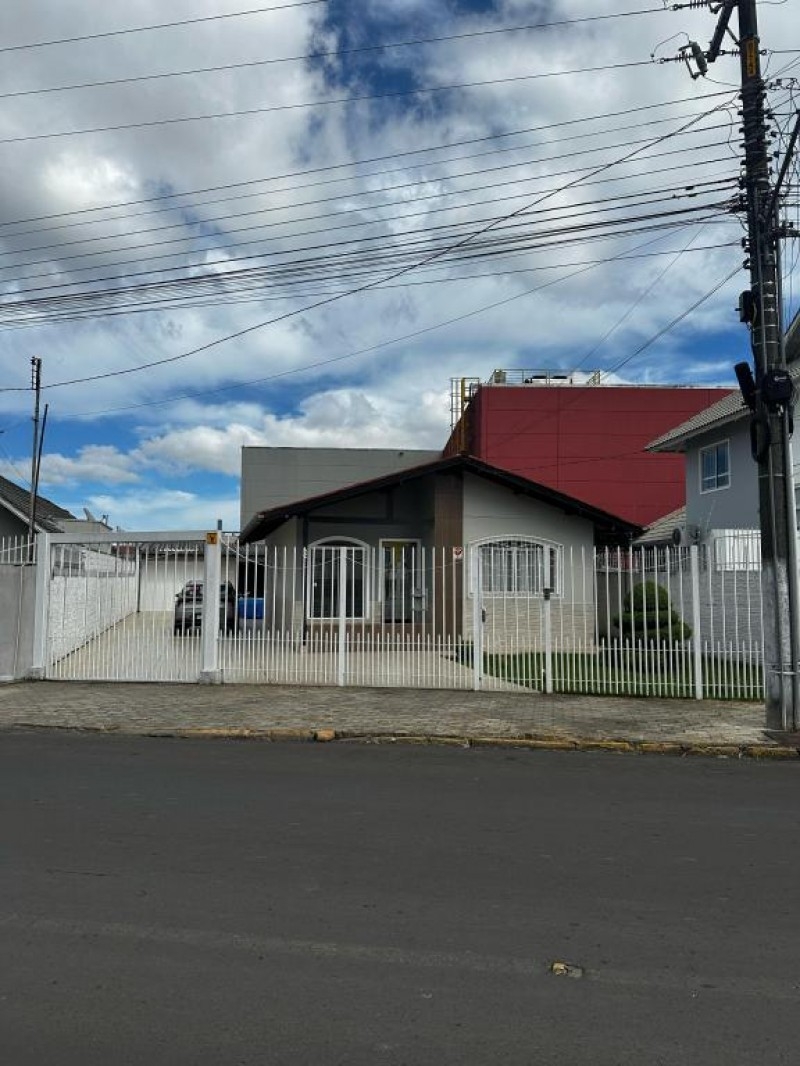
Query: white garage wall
[[83, 606], [162, 578]]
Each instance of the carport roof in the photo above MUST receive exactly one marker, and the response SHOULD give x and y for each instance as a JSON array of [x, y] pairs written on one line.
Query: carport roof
[[608, 525]]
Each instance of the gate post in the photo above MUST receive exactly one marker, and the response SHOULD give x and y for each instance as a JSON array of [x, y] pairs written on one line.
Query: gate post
[[477, 618], [41, 610], [209, 665], [548, 640], [694, 567], [341, 665]]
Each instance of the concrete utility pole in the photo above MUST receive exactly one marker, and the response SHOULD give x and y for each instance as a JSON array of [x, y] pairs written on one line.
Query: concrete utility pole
[[36, 385], [773, 396], [770, 393]]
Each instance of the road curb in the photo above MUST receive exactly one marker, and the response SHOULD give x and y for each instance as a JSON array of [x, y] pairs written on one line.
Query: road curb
[[541, 742], [530, 743]]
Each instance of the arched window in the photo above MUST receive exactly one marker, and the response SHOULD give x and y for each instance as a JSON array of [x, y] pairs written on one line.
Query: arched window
[[338, 578], [518, 566]]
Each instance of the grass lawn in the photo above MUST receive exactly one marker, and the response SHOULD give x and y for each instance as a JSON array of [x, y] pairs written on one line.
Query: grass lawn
[[628, 671]]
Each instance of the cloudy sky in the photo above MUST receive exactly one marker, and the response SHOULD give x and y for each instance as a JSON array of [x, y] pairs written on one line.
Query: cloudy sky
[[267, 229]]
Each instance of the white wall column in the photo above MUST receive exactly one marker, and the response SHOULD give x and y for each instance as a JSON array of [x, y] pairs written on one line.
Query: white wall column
[[478, 618], [41, 609], [210, 673], [341, 664], [697, 651]]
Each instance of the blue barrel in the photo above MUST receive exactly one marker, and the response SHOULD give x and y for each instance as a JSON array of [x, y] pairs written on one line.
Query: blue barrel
[[251, 608]]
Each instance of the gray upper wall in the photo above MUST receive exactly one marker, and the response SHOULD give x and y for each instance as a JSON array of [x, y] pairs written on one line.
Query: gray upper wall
[[272, 476], [735, 507]]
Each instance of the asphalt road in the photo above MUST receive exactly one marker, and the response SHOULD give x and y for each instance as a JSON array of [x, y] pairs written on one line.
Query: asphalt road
[[212, 902]]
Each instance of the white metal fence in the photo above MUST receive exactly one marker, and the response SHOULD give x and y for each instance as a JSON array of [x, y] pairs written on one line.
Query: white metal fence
[[17, 551], [507, 615]]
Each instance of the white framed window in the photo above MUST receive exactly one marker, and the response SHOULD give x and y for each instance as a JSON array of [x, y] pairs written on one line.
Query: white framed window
[[519, 566], [715, 467]]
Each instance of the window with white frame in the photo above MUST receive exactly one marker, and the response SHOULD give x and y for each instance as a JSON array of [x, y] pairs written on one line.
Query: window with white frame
[[519, 567], [715, 467]]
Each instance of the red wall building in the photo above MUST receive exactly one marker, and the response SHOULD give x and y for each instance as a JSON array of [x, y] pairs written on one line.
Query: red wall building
[[587, 441]]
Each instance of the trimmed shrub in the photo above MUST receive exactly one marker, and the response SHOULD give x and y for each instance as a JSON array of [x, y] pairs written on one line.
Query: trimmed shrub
[[647, 616]]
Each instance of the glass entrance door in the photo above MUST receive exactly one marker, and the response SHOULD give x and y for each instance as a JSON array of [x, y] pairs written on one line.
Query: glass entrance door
[[401, 579], [337, 579]]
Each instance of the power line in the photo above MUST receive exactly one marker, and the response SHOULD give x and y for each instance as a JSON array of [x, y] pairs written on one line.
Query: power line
[[162, 197], [189, 237], [367, 259], [544, 239], [158, 26], [243, 112], [211, 299], [632, 307], [318, 364], [368, 350], [348, 196], [674, 322], [643, 347], [428, 258], [51, 308], [496, 151], [383, 46]]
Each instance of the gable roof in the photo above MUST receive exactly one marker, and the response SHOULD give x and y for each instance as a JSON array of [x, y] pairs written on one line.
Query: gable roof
[[49, 515], [661, 530], [265, 522], [728, 410]]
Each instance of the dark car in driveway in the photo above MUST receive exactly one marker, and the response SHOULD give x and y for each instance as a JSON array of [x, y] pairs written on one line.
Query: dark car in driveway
[[189, 607]]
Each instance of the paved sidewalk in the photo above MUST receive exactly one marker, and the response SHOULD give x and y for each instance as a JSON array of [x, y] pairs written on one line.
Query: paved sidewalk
[[174, 708]]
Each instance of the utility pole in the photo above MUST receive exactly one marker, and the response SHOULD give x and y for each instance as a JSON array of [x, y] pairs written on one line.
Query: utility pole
[[36, 385], [770, 393], [773, 397]]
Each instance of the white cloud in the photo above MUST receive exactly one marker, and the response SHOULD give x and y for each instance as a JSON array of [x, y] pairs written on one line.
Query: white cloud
[[339, 418], [166, 510], [101, 463], [396, 395]]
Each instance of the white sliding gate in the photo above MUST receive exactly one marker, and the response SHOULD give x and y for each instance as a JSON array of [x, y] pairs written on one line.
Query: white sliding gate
[[106, 606], [502, 615]]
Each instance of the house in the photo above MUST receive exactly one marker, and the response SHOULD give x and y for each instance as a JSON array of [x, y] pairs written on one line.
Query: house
[[411, 546], [15, 509], [721, 515], [719, 470], [584, 438]]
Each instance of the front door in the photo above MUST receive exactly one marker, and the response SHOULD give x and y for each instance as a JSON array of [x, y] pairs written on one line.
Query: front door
[[401, 579], [338, 581]]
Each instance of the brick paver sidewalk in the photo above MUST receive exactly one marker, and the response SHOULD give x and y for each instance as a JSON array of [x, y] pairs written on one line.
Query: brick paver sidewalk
[[175, 708]]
